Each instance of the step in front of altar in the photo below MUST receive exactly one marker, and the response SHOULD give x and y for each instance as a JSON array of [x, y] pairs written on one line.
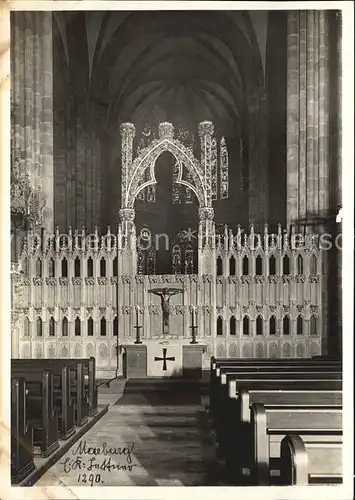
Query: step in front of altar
[[163, 358]]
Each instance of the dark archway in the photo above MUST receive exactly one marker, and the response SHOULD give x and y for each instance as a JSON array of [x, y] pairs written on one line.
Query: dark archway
[[170, 225]]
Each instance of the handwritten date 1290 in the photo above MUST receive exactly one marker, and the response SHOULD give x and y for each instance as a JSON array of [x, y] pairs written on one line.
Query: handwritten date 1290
[[91, 479]]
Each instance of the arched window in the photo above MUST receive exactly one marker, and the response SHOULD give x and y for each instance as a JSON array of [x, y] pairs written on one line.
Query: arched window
[[286, 265], [77, 327], [245, 265], [299, 264], [313, 325], [51, 268], [90, 327], [272, 265], [77, 267], [90, 267], [64, 268], [103, 327], [65, 327], [258, 266], [38, 268], [232, 326], [219, 326], [39, 325], [115, 326], [272, 325], [115, 266], [232, 266], [51, 327], [313, 266], [102, 267], [219, 266], [245, 325], [286, 325], [299, 324], [259, 325], [27, 327]]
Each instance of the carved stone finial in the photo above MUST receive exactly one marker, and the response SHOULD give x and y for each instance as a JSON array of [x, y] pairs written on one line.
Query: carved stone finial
[[166, 130], [128, 129], [205, 128]]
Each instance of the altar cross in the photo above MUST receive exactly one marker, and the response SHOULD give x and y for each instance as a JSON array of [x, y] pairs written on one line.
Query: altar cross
[[164, 359]]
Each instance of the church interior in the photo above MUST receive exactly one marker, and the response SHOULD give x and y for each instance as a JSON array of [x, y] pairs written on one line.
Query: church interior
[[176, 277]]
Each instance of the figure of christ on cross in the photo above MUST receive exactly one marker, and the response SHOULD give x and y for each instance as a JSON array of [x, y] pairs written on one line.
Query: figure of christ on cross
[[165, 294]]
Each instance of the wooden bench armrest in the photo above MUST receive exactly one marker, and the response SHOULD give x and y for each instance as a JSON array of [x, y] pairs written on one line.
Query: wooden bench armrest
[[294, 461], [244, 405], [260, 444]]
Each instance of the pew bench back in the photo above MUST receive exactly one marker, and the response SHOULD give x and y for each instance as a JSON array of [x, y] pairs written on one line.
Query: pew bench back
[[319, 428]]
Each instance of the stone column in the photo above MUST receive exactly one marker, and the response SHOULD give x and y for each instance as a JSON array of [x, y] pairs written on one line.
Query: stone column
[[32, 102], [307, 116], [313, 188]]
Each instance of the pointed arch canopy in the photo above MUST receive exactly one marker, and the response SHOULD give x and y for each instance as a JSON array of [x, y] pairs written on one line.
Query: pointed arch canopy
[[134, 171], [147, 160]]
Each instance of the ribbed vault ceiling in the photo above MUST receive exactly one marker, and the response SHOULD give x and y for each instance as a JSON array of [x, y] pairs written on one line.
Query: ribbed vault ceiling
[[176, 66]]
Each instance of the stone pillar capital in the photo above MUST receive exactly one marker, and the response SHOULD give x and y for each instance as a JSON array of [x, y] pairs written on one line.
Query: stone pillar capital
[[206, 213], [127, 214]]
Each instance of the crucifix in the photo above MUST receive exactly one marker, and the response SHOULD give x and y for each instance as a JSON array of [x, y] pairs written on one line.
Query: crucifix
[[165, 294], [164, 359]]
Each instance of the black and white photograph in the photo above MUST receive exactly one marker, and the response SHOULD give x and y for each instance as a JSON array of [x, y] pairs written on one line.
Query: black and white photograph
[[176, 255]]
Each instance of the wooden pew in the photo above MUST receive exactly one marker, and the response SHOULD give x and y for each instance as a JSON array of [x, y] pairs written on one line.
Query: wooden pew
[[63, 402], [90, 384], [41, 413], [21, 433], [231, 410], [265, 365], [229, 367], [215, 362], [236, 425], [76, 380], [233, 414], [220, 391], [223, 405], [320, 430]]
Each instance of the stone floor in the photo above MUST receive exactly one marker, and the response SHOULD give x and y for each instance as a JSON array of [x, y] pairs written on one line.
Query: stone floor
[[154, 434]]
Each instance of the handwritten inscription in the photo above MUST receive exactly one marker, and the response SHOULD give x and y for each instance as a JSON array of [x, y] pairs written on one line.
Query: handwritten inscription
[[91, 462]]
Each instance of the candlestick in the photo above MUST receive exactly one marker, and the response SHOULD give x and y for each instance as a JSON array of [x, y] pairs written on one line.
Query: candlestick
[[138, 328], [193, 326]]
